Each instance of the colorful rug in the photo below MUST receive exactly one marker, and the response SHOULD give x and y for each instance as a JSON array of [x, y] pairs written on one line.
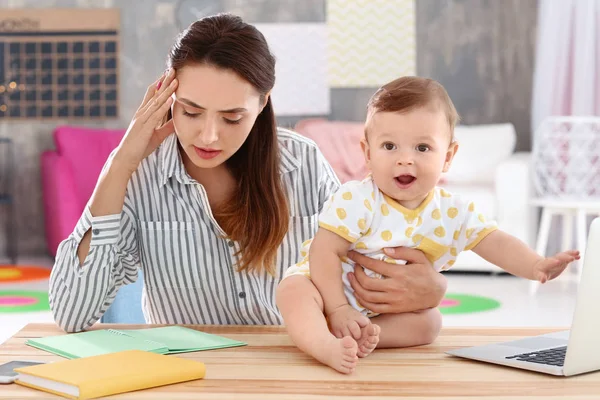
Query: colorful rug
[[22, 273], [20, 301], [465, 304]]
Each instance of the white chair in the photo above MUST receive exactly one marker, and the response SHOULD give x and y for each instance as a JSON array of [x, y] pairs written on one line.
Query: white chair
[[566, 177]]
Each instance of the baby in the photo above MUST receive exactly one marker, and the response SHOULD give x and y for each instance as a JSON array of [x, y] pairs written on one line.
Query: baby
[[408, 144]]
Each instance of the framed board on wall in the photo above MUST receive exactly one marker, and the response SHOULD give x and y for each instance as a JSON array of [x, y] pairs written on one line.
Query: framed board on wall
[[59, 63]]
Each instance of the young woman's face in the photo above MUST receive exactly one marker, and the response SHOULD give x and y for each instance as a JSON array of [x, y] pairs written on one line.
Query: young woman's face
[[213, 113]]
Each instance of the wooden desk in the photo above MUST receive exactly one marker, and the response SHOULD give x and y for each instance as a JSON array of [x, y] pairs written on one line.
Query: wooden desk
[[270, 367]]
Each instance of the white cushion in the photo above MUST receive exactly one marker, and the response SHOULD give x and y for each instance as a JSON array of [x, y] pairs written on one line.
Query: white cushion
[[481, 149]]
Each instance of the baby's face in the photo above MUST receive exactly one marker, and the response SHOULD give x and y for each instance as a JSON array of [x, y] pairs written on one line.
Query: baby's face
[[408, 152]]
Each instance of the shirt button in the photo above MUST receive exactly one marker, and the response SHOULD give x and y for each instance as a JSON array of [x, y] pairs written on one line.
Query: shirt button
[[230, 243], [242, 295], [96, 231]]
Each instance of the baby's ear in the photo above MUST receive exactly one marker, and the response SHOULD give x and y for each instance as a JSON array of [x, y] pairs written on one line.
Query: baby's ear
[[366, 151], [452, 149]]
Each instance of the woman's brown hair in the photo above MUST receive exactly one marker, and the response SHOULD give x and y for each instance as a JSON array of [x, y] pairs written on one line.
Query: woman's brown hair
[[256, 215]]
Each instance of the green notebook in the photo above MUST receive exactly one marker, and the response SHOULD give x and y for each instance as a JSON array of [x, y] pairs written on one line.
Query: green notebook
[[183, 340], [165, 340]]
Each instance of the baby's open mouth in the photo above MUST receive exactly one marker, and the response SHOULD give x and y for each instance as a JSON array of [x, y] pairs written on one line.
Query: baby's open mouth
[[405, 179]]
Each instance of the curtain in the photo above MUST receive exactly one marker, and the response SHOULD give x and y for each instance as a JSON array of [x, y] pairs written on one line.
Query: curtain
[[567, 67]]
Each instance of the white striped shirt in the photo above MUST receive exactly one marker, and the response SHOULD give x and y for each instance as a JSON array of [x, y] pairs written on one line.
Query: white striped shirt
[[167, 229]]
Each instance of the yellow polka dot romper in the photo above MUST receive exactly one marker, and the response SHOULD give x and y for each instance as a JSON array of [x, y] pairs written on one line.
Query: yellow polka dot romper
[[442, 226]]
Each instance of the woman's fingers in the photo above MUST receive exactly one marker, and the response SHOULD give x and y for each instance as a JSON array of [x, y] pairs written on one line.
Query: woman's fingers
[[156, 89], [155, 110], [157, 115], [150, 92]]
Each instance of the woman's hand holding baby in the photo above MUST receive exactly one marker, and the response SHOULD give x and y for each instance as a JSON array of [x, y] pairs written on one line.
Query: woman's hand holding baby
[[412, 287]]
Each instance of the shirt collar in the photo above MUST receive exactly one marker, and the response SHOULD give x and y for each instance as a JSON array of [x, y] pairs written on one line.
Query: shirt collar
[[288, 161], [170, 163]]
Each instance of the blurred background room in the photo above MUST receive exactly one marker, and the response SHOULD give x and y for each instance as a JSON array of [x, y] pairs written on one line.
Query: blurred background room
[[523, 75]]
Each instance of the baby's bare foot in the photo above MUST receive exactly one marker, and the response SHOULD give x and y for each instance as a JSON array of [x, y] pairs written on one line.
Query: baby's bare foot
[[342, 355], [368, 340]]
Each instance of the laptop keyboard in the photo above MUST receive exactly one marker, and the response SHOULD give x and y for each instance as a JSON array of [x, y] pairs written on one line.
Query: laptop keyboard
[[555, 356]]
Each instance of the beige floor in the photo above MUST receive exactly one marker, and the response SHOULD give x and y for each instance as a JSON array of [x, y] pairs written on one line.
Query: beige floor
[[551, 306]]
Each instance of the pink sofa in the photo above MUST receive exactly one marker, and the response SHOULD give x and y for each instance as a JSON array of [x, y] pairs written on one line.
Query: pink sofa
[[69, 175], [339, 141]]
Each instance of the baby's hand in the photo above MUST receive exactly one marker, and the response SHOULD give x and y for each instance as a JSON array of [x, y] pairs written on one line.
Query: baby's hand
[[549, 268], [346, 321]]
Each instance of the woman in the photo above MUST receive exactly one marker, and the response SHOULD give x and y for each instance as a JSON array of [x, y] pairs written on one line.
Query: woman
[[214, 214]]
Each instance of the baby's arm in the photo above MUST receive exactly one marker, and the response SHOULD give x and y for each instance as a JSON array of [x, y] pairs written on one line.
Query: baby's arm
[[324, 256], [515, 257]]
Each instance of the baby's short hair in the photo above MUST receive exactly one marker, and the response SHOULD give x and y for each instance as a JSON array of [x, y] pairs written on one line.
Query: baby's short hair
[[410, 92]]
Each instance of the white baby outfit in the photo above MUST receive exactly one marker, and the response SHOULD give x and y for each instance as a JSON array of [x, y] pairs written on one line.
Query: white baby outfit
[[442, 226]]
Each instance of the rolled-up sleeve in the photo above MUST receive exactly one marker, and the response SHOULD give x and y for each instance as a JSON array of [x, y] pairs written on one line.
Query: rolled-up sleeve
[[80, 293]]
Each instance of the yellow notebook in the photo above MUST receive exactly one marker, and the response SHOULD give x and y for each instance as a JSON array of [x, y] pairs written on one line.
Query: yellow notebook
[[108, 374]]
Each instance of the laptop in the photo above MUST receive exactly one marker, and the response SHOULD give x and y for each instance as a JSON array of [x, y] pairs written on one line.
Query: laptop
[[561, 353]]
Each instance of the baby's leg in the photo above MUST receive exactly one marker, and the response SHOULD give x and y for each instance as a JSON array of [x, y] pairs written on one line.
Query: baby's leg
[[408, 329], [301, 306]]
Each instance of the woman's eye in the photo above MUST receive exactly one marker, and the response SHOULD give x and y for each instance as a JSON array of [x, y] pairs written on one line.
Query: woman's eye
[[389, 146], [190, 115], [232, 121], [423, 148]]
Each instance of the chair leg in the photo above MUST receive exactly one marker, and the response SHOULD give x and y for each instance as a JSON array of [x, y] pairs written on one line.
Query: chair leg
[[567, 233], [581, 237], [542, 240], [544, 231]]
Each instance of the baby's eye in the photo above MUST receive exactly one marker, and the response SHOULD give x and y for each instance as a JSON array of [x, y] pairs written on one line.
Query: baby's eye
[[389, 146], [423, 148]]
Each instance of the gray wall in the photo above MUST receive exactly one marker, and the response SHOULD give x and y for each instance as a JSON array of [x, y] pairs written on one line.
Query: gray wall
[[482, 50]]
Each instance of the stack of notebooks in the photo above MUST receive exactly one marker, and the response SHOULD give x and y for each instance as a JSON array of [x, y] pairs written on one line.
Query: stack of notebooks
[[110, 361]]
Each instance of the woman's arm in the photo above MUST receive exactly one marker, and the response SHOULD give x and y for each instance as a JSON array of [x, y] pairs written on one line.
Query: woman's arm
[[412, 287], [107, 200], [99, 257], [101, 254]]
